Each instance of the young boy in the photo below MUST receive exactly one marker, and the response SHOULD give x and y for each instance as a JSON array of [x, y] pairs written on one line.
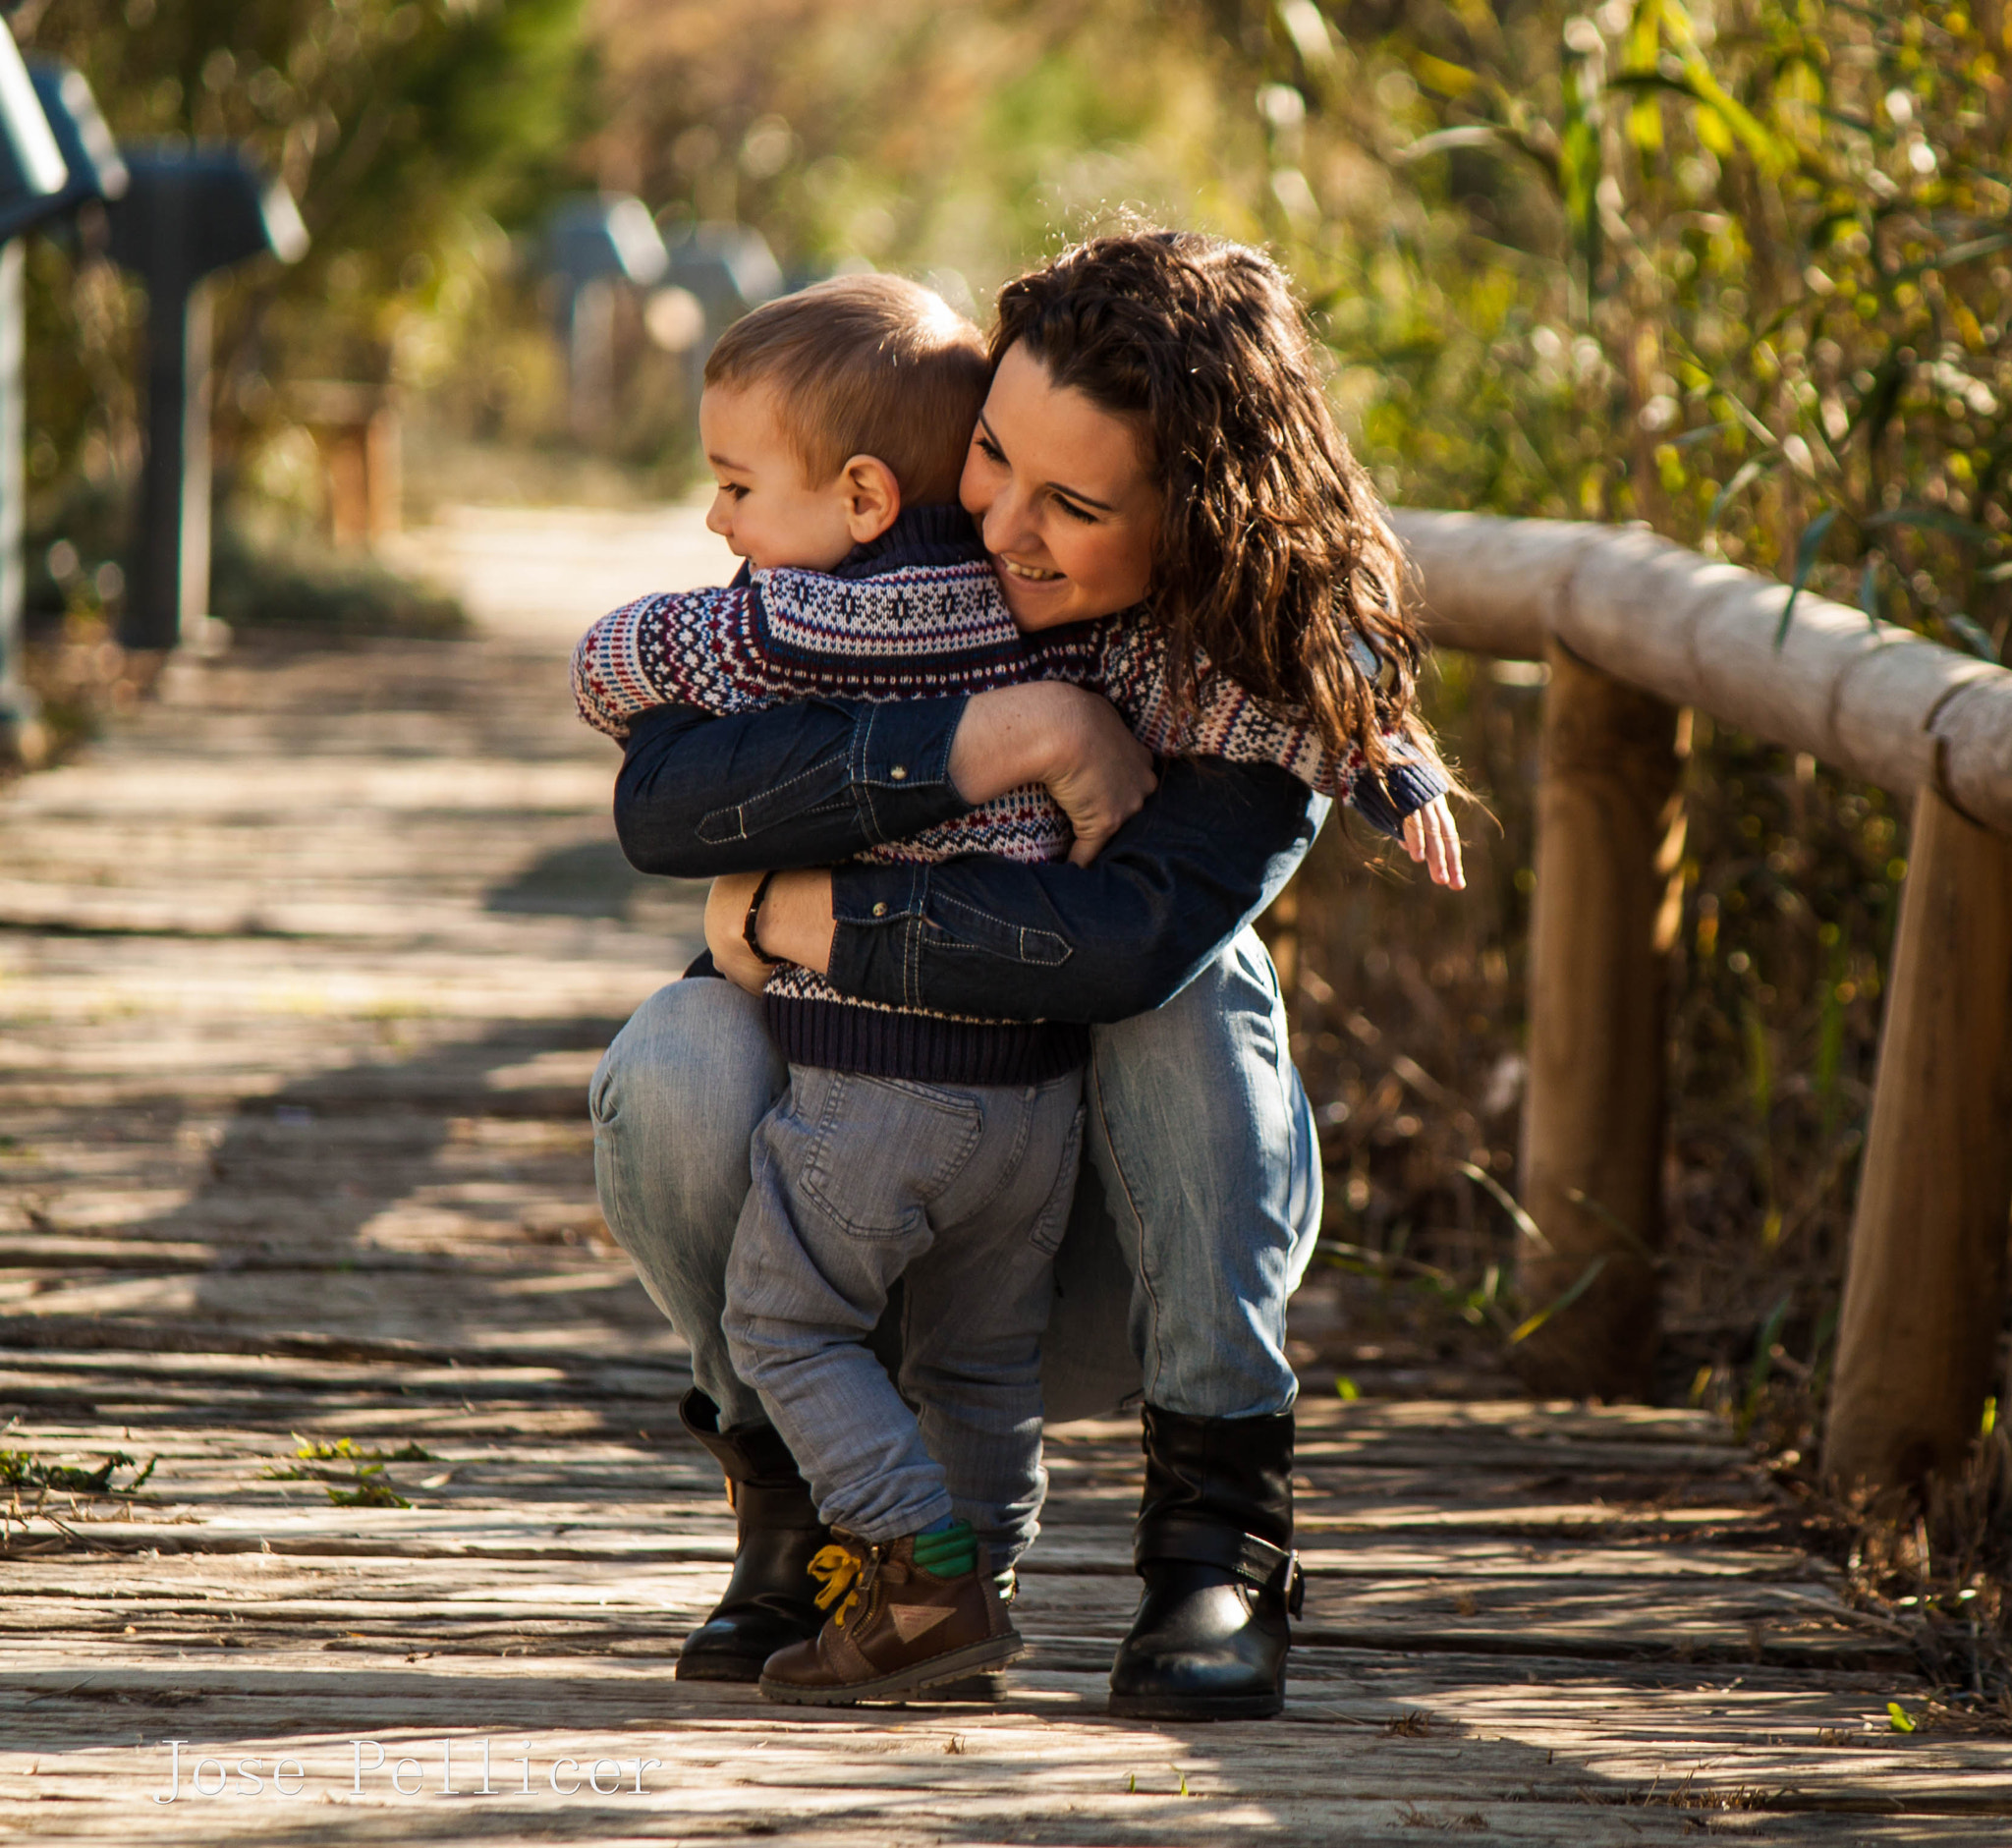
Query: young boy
[[940, 1151]]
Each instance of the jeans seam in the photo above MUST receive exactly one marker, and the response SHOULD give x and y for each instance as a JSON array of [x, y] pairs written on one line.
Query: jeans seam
[[1009, 1166], [1060, 1195], [1155, 1364]]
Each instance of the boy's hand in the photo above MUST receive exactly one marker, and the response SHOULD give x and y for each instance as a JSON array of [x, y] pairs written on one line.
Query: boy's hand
[[1431, 837], [726, 914]]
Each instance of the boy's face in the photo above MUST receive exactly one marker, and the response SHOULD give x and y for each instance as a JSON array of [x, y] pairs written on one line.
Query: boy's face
[[765, 509]]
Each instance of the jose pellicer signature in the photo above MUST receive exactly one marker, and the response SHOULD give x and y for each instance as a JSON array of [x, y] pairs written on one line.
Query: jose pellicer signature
[[439, 1772]]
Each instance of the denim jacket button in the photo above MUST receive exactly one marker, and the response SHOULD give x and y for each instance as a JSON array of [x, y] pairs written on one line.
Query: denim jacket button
[[880, 908], [899, 773]]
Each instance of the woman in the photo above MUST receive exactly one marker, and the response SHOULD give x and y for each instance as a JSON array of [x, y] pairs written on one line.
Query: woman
[[1154, 431]]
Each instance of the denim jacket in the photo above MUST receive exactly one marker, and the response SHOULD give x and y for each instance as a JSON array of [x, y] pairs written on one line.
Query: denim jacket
[[808, 785]]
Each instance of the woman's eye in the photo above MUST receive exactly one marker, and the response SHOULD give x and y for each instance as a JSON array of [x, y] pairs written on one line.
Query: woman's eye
[[988, 449], [1082, 514]]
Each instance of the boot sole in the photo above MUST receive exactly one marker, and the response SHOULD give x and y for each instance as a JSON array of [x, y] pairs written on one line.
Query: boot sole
[[718, 1668], [1193, 1707], [993, 1652]]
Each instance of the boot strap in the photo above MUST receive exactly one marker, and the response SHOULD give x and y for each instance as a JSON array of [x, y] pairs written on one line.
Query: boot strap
[[1256, 1562]]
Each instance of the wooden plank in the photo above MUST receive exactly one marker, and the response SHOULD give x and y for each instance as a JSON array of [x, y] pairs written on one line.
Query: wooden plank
[[1925, 1290]]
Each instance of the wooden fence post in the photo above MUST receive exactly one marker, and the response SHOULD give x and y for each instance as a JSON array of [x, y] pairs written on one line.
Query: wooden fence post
[[1924, 1288], [1610, 833]]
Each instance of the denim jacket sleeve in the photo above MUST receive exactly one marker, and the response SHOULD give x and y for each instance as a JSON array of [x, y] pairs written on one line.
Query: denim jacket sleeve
[[982, 936], [799, 785], [814, 783]]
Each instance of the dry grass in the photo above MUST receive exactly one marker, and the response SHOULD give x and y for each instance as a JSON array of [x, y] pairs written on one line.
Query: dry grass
[[1938, 1571]]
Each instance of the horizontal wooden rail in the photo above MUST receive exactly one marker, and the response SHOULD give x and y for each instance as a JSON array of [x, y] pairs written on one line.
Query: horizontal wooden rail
[[1634, 628], [1872, 700]]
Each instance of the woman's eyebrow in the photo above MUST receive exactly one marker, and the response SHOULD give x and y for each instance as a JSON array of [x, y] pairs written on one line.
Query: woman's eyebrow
[[1053, 487]]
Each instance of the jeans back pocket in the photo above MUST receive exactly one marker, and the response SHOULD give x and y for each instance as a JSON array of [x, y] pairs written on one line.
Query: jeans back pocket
[[884, 1147]]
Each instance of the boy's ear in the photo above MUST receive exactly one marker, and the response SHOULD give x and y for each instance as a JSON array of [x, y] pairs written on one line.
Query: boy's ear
[[873, 498]]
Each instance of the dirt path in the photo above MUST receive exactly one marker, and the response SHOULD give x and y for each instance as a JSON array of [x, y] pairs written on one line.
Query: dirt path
[[302, 975]]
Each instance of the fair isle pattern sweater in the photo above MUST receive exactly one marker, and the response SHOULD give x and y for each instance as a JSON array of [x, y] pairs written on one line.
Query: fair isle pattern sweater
[[918, 615]]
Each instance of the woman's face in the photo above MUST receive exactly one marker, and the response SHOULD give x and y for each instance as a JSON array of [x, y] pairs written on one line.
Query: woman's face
[[1062, 494]]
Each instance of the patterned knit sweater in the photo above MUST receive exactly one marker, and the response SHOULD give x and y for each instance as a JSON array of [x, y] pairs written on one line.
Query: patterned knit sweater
[[918, 615]]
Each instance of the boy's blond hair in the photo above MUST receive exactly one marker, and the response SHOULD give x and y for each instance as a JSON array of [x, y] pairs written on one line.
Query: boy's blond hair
[[865, 366]]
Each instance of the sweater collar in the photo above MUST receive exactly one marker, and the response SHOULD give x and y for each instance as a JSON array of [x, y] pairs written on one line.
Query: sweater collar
[[919, 537]]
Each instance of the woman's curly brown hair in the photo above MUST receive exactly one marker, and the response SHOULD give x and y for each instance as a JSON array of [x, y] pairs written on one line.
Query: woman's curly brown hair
[[1272, 552]]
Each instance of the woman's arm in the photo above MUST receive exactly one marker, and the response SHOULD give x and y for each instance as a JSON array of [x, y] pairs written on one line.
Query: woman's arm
[[812, 783], [988, 936], [793, 786]]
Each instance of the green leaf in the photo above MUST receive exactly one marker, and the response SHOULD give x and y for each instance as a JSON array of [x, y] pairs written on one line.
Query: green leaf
[[1750, 471], [1763, 1349], [1532, 1323], [1346, 1389], [1807, 548], [1702, 434], [1933, 520], [1955, 254], [1896, 1718], [1877, 406], [1437, 74], [1972, 636], [1503, 1198]]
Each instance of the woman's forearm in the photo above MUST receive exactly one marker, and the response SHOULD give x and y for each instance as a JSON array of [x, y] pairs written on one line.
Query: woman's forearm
[[996, 939], [792, 786]]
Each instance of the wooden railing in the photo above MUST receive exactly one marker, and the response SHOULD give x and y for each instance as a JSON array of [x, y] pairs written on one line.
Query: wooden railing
[[1634, 629]]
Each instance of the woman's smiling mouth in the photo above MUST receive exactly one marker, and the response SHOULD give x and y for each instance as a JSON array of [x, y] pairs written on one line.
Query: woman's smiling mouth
[[1030, 574]]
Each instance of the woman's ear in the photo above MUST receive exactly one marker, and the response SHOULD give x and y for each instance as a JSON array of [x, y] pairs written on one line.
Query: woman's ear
[[873, 498]]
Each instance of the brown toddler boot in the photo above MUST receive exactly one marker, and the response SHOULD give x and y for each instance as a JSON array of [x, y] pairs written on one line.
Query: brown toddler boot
[[898, 1626]]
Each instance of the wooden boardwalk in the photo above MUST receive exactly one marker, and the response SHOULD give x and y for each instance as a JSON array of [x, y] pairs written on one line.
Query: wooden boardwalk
[[302, 975]]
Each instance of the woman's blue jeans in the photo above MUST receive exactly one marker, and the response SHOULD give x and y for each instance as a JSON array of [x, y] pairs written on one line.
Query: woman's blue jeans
[[1195, 1217]]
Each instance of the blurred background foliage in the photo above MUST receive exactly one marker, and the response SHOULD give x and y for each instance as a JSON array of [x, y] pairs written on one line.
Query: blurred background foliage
[[1737, 268]]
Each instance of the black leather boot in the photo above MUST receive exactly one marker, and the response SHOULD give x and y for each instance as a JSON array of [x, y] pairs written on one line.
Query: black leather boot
[[769, 1600], [1213, 1544]]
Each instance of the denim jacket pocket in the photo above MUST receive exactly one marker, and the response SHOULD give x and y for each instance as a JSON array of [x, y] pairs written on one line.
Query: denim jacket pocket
[[820, 786], [961, 926]]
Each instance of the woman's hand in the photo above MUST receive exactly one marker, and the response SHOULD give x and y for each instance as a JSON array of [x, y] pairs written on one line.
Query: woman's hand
[[1069, 739], [796, 924], [1431, 837]]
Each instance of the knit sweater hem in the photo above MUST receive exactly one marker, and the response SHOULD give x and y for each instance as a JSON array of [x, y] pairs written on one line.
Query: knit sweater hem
[[929, 1048]]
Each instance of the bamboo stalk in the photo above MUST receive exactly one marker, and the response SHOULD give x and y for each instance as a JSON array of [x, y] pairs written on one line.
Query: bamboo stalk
[[1610, 835], [1925, 1285]]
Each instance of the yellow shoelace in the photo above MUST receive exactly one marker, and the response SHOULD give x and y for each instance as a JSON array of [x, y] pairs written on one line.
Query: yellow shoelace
[[838, 1567]]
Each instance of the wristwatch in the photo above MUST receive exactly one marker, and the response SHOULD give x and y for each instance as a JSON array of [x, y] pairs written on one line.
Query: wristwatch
[[751, 929]]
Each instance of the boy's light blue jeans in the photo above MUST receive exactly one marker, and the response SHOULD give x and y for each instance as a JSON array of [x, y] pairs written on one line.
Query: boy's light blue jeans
[[1195, 1217], [961, 1191]]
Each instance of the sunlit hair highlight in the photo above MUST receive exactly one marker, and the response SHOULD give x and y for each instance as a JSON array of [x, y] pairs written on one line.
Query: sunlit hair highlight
[[864, 366], [1272, 549]]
